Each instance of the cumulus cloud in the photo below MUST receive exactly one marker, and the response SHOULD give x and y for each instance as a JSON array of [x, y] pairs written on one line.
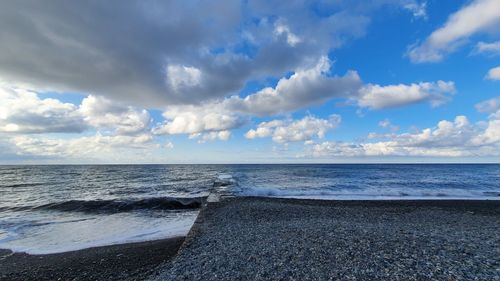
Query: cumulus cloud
[[214, 120], [493, 74], [489, 106], [285, 131], [22, 111], [492, 48], [180, 76], [190, 63], [448, 138], [101, 112], [314, 86], [79, 49], [478, 16], [81, 147], [154, 54], [491, 134], [209, 122], [305, 87], [211, 136], [377, 97]]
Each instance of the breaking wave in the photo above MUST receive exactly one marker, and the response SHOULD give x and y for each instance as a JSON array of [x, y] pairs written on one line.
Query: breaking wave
[[116, 206]]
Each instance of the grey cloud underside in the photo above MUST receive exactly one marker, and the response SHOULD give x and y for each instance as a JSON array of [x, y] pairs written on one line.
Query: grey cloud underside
[[121, 50], [96, 46], [315, 93], [32, 124]]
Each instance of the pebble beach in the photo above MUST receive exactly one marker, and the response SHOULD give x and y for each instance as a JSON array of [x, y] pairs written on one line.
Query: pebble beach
[[287, 239], [255, 238]]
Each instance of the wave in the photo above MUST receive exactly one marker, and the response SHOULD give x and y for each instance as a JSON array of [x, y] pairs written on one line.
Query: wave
[[117, 206], [27, 184], [224, 180], [368, 194]]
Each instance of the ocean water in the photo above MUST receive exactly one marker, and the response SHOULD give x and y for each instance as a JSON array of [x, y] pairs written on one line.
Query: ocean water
[[50, 209]]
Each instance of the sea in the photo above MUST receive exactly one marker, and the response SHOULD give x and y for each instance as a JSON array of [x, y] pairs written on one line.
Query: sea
[[51, 209]]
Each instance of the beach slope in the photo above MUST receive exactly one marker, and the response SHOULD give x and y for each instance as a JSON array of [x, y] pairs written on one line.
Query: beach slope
[[132, 261], [287, 239]]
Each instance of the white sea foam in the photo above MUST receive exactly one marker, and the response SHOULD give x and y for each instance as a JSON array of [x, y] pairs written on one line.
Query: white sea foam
[[369, 194], [50, 237], [50, 209], [224, 176], [224, 181]]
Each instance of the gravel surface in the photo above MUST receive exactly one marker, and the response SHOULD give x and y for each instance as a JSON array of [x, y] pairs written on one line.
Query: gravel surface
[[286, 239], [133, 261]]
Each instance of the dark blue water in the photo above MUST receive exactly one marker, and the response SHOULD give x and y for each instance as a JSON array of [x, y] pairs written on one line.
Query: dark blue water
[[46, 209]]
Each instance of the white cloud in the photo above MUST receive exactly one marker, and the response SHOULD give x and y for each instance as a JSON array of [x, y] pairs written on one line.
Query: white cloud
[[211, 136], [285, 131], [264, 129], [377, 97], [305, 87], [492, 48], [157, 54], [210, 122], [310, 86], [313, 86], [489, 106], [457, 138], [97, 146], [490, 135], [183, 77], [477, 16], [494, 73], [169, 145], [22, 111], [100, 112], [282, 29], [386, 124], [181, 59], [419, 10]]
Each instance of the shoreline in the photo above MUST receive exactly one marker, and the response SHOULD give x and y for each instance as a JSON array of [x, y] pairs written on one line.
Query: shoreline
[[270, 238], [377, 198]]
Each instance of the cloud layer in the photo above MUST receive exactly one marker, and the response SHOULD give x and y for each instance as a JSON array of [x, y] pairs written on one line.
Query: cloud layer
[[146, 75], [449, 139], [154, 54]]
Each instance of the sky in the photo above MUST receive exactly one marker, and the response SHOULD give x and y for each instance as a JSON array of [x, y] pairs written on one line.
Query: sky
[[129, 82]]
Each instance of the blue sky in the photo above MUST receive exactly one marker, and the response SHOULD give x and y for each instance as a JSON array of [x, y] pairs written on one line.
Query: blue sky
[[250, 82]]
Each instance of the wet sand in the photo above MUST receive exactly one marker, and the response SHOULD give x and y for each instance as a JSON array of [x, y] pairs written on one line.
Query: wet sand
[[133, 261]]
